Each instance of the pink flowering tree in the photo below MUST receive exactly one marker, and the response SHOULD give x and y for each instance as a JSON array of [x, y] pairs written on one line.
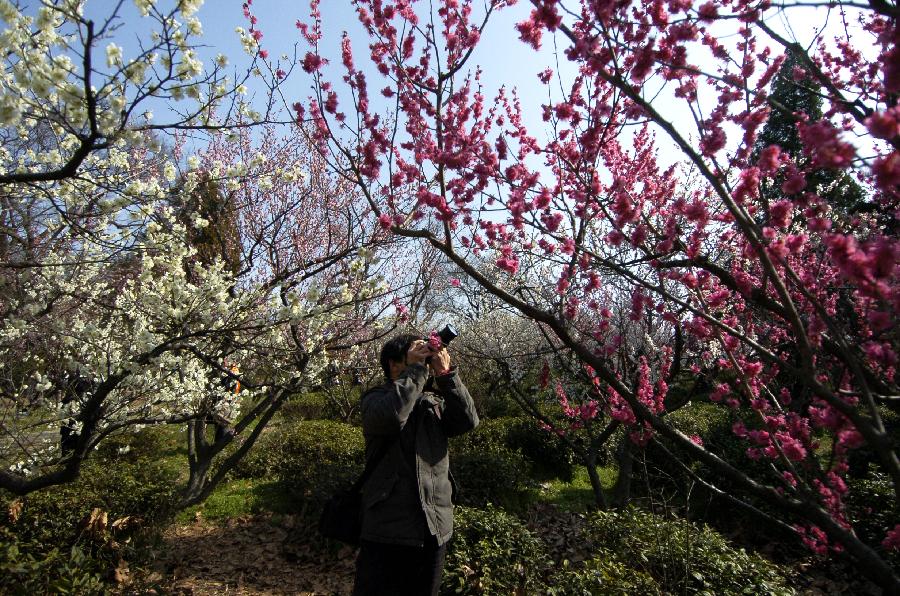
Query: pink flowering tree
[[753, 285]]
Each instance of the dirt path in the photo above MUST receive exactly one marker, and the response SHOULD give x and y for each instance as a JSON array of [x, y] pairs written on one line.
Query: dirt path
[[261, 554]]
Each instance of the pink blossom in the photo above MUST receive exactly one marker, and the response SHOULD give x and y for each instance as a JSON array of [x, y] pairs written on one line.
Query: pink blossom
[[530, 32], [814, 538], [791, 447], [780, 214], [312, 62], [508, 264], [887, 170], [892, 539], [713, 141], [769, 159], [708, 12], [434, 341], [760, 437], [884, 125], [821, 142], [794, 182]]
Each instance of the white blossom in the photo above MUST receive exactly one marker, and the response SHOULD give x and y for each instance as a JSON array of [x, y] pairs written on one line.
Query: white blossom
[[113, 55]]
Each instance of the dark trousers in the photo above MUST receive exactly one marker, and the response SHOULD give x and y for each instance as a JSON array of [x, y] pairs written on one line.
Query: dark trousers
[[395, 570]]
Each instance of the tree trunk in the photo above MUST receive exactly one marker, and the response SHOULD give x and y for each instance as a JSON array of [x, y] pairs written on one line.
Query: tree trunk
[[599, 496], [625, 460]]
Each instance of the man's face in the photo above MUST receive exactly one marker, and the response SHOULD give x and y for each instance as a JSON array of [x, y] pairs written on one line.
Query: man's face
[[397, 368]]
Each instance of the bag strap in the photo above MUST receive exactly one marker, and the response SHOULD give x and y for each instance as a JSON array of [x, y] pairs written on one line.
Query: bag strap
[[372, 463]]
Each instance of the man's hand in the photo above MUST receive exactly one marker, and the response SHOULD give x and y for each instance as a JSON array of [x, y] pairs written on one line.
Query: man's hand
[[440, 362], [418, 353]]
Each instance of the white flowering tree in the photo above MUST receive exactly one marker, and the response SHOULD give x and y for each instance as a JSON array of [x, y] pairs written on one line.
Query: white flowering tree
[[115, 313]]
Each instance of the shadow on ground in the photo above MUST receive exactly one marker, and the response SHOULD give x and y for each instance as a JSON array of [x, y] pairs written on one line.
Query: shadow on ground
[[260, 554]]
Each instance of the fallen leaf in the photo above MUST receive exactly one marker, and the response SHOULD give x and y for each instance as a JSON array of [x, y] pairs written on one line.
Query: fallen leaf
[[15, 510], [95, 523], [121, 573]]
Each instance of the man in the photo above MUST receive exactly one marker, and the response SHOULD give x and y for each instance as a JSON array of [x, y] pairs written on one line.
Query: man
[[407, 513]]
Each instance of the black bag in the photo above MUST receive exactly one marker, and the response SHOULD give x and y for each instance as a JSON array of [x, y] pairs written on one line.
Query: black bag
[[341, 518]]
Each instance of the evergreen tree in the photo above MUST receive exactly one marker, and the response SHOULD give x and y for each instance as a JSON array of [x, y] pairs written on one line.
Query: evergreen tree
[[220, 237], [793, 96]]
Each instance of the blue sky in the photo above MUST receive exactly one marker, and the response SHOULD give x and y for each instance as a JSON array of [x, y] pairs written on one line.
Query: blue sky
[[504, 59], [512, 63]]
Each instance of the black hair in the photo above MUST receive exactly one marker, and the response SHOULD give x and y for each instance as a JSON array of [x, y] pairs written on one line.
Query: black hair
[[395, 351]]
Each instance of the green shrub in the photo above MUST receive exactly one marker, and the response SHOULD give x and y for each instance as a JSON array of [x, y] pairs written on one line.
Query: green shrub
[[682, 557], [499, 477], [549, 455], [490, 435], [53, 544], [703, 418], [307, 406], [143, 491], [317, 457], [873, 510], [602, 575], [266, 456], [152, 442], [28, 568], [492, 552], [546, 454]]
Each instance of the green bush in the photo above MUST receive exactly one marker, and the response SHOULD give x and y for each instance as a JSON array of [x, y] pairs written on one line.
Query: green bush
[[307, 406], [50, 545], [151, 442], [28, 568], [602, 575], [266, 456], [490, 435], [499, 477], [548, 454], [682, 557], [873, 510], [317, 457], [143, 491], [492, 552]]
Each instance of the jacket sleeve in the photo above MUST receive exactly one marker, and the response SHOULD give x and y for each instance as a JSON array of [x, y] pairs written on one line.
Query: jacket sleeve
[[386, 409], [459, 415]]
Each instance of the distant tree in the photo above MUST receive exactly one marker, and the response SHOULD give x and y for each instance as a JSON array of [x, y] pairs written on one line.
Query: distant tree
[[210, 217], [796, 97]]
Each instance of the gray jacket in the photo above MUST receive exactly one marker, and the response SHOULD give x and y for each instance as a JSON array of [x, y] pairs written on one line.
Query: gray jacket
[[410, 489]]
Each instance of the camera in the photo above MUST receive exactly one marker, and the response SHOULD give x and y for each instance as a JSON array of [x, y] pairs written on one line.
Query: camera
[[447, 334]]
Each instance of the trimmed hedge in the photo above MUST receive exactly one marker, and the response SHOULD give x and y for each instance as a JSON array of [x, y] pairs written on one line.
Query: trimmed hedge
[[544, 452], [548, 454], [314, 458], [307, 406], [499, 477]]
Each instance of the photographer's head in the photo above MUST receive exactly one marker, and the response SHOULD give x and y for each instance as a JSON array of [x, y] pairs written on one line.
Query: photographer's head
[[393, 355]]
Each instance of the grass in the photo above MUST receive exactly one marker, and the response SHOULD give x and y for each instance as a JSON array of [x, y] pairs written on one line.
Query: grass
[[239, 498], [577, 494]]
